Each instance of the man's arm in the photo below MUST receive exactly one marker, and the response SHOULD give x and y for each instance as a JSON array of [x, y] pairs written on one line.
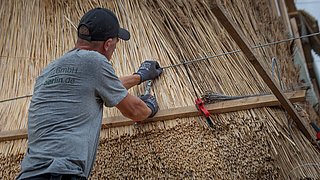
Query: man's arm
[[148, 70], [130, 81], [145, 106], [134, 108]]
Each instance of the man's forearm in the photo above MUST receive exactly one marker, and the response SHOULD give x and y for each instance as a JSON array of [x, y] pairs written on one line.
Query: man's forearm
[[130, 81]]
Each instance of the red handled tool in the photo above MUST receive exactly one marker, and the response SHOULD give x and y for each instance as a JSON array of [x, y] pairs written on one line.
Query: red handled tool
[[199, 103], [202, 110]]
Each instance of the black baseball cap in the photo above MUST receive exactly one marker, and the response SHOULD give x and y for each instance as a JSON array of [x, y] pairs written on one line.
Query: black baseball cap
[[102, 25]]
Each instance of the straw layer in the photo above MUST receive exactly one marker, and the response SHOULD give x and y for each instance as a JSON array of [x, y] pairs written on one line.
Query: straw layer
[[258, 143]]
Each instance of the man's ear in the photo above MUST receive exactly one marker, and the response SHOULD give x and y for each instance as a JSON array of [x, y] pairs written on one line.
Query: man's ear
[[107, 44]]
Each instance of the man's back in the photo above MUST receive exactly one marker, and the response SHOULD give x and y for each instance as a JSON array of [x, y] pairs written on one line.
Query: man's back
[[66, 111]]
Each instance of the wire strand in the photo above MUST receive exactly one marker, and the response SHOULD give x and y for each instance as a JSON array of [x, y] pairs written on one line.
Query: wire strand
[[236, 51], [197, 59], [15, 98]]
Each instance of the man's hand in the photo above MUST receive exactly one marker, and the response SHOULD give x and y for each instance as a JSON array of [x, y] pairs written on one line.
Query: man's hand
[[149, 70], [151, 102]]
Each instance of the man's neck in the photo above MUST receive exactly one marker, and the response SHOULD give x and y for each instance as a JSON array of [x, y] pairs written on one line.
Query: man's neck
[[84, 47]]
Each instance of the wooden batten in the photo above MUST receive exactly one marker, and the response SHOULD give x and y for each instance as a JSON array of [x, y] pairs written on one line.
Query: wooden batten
[[183, 112], [216, 108]]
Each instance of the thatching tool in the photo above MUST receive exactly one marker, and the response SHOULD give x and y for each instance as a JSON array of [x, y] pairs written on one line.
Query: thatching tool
[[199, 102], [146, 91], [202, 110], [148, 87]]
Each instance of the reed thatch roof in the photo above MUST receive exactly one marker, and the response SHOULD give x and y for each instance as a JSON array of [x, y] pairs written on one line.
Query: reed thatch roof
[[260, 143]]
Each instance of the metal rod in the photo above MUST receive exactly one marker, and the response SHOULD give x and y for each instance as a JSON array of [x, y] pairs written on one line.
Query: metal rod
[[236, 51], [192, 60]]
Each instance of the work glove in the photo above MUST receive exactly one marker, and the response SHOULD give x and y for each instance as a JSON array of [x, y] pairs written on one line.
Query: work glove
[[151, 102], [149, 70]]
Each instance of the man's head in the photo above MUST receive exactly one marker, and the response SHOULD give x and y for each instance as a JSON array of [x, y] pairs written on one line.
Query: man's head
[[100, 28]]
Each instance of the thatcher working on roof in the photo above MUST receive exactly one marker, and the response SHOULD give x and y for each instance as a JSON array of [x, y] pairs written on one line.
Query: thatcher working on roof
[[65, 113]]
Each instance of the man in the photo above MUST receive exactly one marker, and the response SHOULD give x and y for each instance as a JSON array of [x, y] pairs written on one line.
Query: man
[[65, 113]]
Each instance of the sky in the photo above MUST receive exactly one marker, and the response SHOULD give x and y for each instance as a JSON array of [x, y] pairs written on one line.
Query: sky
[[312, 7]]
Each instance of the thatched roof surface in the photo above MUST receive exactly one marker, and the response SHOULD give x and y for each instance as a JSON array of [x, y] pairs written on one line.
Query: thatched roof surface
[[258, 143]]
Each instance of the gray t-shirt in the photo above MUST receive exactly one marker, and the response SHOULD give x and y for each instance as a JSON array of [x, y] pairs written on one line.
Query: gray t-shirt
[[65, 114]]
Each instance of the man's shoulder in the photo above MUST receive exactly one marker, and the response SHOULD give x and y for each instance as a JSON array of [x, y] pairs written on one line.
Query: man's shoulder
[[81, 57]]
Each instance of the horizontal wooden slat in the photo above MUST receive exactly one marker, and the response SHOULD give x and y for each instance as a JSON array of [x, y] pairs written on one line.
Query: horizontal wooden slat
[[219, 107], [183, 112]]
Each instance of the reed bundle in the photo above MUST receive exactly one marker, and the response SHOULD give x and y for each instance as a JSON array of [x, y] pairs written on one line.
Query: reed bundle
[[252, 144]]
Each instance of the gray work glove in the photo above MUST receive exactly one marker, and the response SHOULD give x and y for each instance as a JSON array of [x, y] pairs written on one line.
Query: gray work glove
[[149, 70], [151, 102]]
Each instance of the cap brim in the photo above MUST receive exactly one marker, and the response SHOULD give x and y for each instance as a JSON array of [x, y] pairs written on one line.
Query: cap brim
[[124, 34]]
